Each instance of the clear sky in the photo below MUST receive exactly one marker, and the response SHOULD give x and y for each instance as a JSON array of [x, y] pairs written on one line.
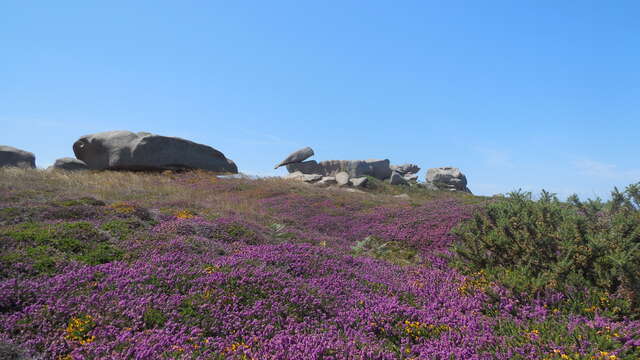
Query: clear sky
[[518, 94]]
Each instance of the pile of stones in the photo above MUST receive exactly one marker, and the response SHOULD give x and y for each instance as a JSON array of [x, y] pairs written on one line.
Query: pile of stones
[[346, 172], [355, 172]]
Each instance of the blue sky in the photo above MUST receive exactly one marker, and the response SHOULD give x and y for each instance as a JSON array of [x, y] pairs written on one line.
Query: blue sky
[[518, 94]]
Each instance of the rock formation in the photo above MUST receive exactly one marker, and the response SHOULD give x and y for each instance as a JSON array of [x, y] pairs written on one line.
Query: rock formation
[[69, 164], [447, 178], [297, 157], [12, 157], [125, 150]]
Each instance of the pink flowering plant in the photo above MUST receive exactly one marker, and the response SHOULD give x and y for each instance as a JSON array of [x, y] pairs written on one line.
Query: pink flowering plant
[[206, 268]]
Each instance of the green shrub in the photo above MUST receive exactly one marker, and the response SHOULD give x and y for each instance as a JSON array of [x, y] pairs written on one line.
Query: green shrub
[[122, 228], [531, 245], [46, 246], [153, 318], [391, 251]]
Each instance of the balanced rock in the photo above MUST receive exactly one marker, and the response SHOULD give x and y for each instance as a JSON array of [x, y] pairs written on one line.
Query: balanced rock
[[306, 167], [297, 157], [69, 164], [447, 178], [342, 178], [12, 157], [397, 179], [125, 150]]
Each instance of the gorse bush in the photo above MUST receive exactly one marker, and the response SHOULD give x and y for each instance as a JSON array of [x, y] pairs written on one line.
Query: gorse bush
[[535, 245]]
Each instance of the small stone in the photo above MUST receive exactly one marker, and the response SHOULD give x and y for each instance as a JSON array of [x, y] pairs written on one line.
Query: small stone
[[359, 182], [342, 178]]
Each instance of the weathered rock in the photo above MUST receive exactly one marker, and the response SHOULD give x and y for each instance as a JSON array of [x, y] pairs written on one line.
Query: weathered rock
[[430, 186], [311, 177], [353, 190], [294, 176], [379, 169], [397, 179], [402, 196], [411, 177], [355, 168], [342, 178], [306, 167], [297, 156], [405, 169], [125, 150], [69, 164], [447, 178], [12, 157], [359, 182], [327, 180]]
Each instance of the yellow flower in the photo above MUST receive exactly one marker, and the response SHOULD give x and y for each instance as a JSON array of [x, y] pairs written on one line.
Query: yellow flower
[[78, 329], [184, 214]]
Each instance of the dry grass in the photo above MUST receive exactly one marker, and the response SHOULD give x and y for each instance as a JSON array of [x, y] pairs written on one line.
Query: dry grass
[[199, 191]]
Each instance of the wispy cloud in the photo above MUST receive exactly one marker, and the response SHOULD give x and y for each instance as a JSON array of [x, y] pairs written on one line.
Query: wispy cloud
[[495, 158], [605, 170]]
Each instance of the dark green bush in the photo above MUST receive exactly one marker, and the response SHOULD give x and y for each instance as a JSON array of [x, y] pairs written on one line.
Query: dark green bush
[[45, 247], [532, 245]]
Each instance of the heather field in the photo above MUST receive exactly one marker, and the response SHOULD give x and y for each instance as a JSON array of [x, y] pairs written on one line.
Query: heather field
[[107, 265]]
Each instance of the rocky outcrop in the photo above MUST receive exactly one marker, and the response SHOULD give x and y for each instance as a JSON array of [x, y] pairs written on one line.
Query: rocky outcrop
[[355, 168], [306, 167], [125, 150], [379, 169], [69, 164], [297, 157], [405, 169], [397, 179], [447, 178], [12, 157], [327, 181]]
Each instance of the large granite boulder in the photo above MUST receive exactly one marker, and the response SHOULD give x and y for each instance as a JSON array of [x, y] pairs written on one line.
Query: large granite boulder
[[12, 157], [296, 157], [379, 169], [305, 167], [405, 169], [125, 150], [355, 168], [447, 178], [69, 164]]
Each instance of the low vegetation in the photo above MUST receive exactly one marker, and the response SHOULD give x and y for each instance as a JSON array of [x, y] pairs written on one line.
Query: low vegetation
[[193, 266]]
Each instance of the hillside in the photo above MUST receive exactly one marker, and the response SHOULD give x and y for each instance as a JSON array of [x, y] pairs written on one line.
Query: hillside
[[122, 265]]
